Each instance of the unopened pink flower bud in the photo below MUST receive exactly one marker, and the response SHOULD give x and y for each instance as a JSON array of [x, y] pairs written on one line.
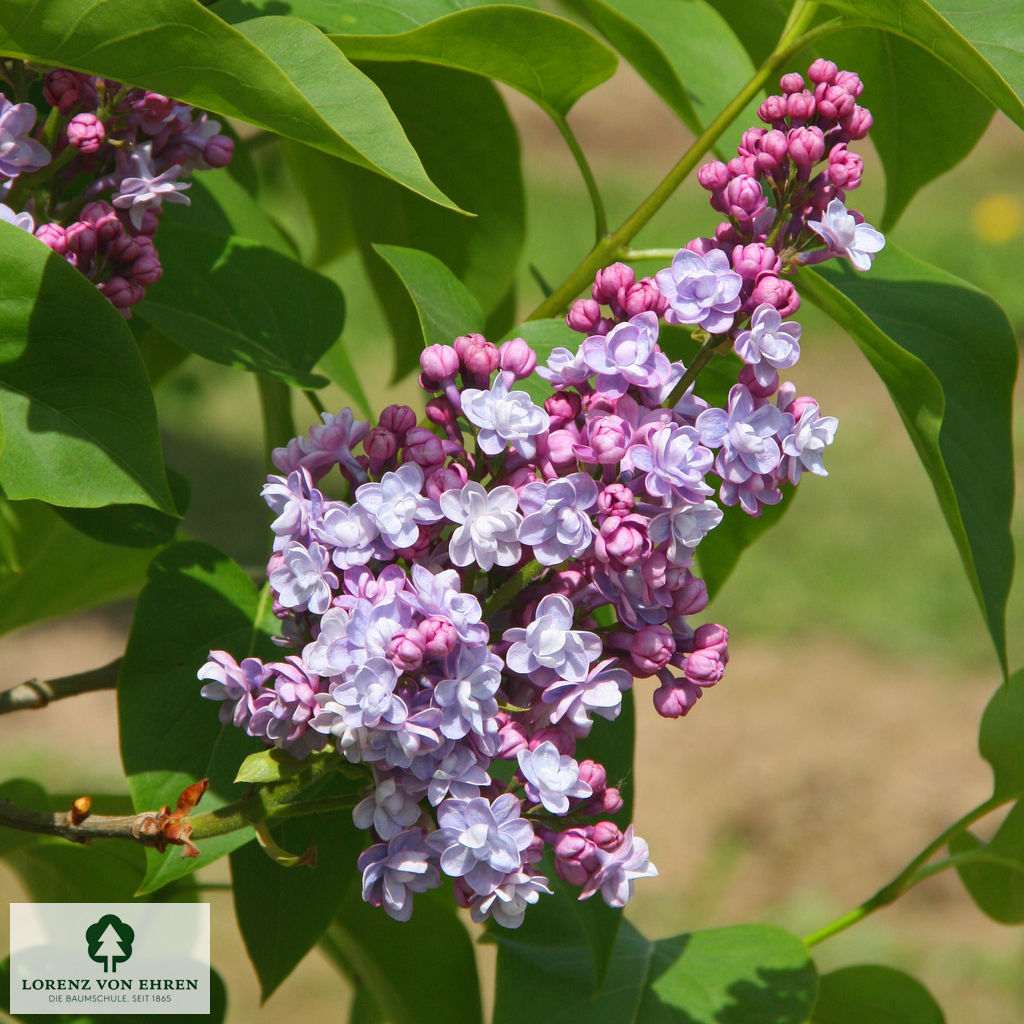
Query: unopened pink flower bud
[[800, 107], [575, 856], [832, 101], [52, 234], [440, 637], [154, 106], [772, 150], [822, 71], [644, 297], [616, 499], [86, 133], [612, 283], [120, 292], [750, 260], [701, 246], [61, 89], [583, 316], [146, 270], [127, 249], [713, 176], [806, 147], [445, 479], [652, 648], [844, 168], [749, 141], [800, 405], [405, 649], [441, 412], [606, 834], [81, 239], [563, 739], [675, 697], [773, 111], [857, 123], [219, 150], [561, 446], [691, 598], [398, 419], [511, 738], [776, 290], [423, 447], [439, 363], [791, 82], [517, 357], [562, 407], [380, 444], [622, 541], [608, 438], [477, 355], [758, 390], [594, 775]]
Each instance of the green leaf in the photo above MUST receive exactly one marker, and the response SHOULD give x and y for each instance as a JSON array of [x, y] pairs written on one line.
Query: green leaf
[[242, 304], [132, 526], [743, 973], [1001, 739], [684, 50], [283, 912], [92, 573], [433, 948], [947, 355], [278, 73], [983, 43], [547, 58], [218, 1006], [196, 600], [757, 24], [910, 131], [873, 994], [467, 141], [274, 764], [80, 423], [444, 307], [995, 880]]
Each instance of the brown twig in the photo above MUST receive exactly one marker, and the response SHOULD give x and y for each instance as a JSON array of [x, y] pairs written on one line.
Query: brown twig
[[37, 693]]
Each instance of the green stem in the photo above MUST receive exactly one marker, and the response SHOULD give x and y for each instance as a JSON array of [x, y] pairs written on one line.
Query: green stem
[[276, 407], [912, 873], [600, 217], [631, 255], [314, 400], [511, 587], [793, 38]]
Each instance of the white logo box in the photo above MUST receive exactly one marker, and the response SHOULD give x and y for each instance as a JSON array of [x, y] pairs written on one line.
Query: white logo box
[[94, 958]]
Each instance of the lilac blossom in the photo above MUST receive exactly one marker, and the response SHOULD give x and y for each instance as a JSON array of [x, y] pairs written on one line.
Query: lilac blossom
[[481, 842], [565, 368], [400, 746], [467, 698], [807, 440], [145, 189], [556, 523], [618, 869], [368, 700], [674, 461], [508, 902], [396, 505], [304, 581], [393, 871], [600, 693], [459, 773], [389, 809], [627, 355], [549, 648], [552, 779], [282, 716], [19, 154], [296, 503], [488, 522], [769, 345], [702, 290], [504, 418], [21, 220], [349, 531], [439, 594], [744, 433], [846, 237], [684, 526], [233, 684]]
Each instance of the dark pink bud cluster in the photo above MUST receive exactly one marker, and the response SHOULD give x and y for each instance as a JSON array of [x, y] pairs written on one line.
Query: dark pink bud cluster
[[616, 287]]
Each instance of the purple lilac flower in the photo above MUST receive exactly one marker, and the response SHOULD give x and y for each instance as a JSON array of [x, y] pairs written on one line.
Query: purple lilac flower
[[551, 778], [504, 418], [438, 594], [769, 345], [674, 461], [600, 693], [393, 871], [808, 439], [233, 684], [627, 355], [304, 581], [556, 523], [846, 237], [397, 506], [684, 526], [467, 699], [508, 902], [296, 503], [744, 433], [488, 522], [399, 747], [389, 809], [282, 716], [701, 290], [459, 773], [19, 154], [480, 841], [19, 220], [618, 870], [349, 531], [146, 189], [549, 648], [367, 701], [565, 368]]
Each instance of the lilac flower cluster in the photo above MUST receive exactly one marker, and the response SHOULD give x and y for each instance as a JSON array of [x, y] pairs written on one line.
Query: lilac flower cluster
[[490, 583], [130, 146]]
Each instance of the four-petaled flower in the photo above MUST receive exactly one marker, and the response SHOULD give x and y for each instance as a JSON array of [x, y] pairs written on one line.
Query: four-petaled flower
[[858, 241]]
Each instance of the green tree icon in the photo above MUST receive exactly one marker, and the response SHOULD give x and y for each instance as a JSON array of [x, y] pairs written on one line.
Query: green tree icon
[[110, 942]]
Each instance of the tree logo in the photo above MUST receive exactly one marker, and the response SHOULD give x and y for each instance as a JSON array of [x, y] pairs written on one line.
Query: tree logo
[[110, 942]]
